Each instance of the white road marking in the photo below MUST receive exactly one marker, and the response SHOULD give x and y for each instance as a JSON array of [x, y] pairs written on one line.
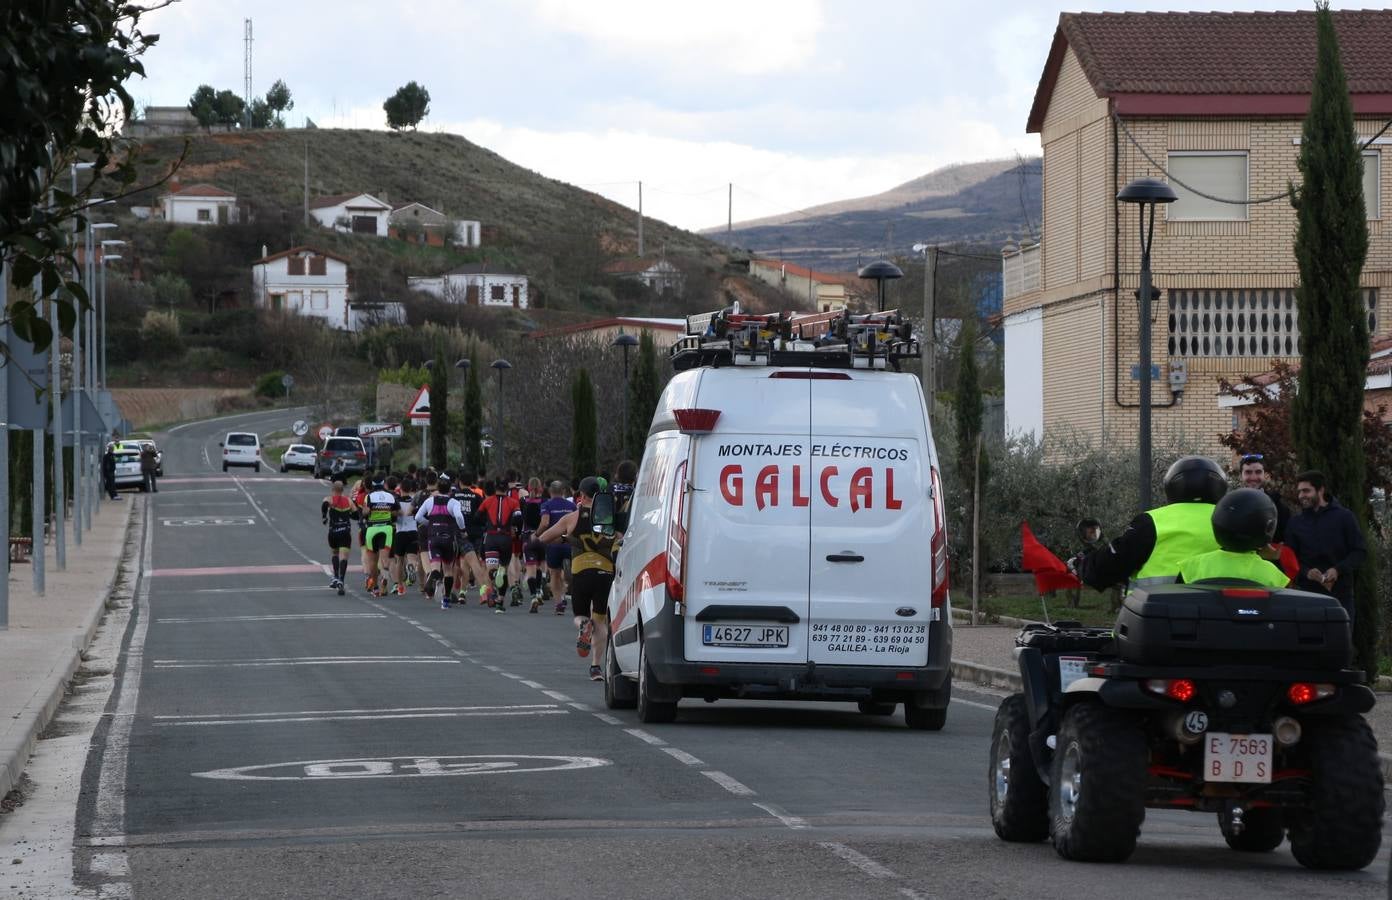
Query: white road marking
[[557, 695], [342, 712], [111, 865], [645, 737], [608, 719], [510, 675], [728, 783], [181, 491], [271, 618], [782, 815], [366, 718], [494, 668], [109, 814], [859, 860], [912, 894], [534, 685], [583, 707], [682, 756], [985, 706], [405, 767], [301, 661], [115, 890], [284, 589]]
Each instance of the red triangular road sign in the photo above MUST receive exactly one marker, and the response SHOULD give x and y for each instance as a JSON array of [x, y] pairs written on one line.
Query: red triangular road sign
[[420, 407]]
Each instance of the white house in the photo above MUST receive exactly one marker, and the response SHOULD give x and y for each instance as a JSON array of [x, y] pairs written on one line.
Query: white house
[[358, 213], [475, 284], [199, 204], [306, 281], [428, 223], [658, 274]]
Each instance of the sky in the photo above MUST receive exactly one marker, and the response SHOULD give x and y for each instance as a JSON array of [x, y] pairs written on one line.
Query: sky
[[794, 102]]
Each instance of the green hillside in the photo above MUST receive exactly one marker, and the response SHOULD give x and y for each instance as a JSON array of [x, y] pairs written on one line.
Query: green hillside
[[558, 235]]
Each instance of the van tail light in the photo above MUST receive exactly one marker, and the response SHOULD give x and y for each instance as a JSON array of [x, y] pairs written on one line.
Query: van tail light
[[812, 376], [1301, 693], [696, 421], [938, 546], [676, 538]]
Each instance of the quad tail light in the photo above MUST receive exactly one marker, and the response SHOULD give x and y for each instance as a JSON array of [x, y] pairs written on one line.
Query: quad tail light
[[1246, 593], [1303, 692], [696, 421], [1181, 689]]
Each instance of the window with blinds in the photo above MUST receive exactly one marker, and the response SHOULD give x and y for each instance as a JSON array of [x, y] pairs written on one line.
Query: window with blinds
[[1216, 173], [1241, 323]]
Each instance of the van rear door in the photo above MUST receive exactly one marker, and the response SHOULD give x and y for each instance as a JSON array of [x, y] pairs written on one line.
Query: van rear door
[[746, 583], [872, 520]]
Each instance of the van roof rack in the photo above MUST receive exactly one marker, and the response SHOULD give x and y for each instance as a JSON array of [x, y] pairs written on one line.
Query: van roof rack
[[835, 340]]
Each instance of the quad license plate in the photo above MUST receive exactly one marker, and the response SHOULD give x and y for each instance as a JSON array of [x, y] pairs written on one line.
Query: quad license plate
[[744, 635], [1238, 757]]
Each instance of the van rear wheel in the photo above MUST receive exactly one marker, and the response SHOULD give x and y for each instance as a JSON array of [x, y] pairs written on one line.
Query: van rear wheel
[[652, 709], [619, 691]]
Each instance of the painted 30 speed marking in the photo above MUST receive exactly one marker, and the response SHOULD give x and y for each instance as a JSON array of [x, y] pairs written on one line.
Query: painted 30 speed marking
[[403, 767]]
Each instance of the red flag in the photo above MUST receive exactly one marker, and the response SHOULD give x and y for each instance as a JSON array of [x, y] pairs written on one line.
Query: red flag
[[1050, 574], [1288, 563]]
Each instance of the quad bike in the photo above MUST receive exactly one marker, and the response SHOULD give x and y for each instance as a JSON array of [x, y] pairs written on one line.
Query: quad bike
[[1219, 698]]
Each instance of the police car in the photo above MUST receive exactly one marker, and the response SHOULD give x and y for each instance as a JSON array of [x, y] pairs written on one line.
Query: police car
[[786, 534]]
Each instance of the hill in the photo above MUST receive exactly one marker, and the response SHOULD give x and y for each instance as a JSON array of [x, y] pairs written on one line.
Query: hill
[[559, 235], [975, 203]]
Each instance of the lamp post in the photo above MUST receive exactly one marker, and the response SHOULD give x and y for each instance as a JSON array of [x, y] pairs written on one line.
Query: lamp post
[[930, 290], [880, 271], [1145, 193], [89, 384], [500, 365], [77, 460], [102, 321], [625, 341]]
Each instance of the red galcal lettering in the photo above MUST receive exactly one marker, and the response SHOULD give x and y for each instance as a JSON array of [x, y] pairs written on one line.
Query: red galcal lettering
[[862, 488], [732, 485], [827, 474], [766, 487], [891, 501], [800, 497]]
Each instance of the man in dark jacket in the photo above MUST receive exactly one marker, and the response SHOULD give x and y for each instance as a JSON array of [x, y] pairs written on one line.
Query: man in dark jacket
[[1327, 541], [108, 470], [149, 463], [1252, 472]]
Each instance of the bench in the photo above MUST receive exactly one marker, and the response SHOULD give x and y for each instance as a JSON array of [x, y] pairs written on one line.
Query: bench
[[21, 549]]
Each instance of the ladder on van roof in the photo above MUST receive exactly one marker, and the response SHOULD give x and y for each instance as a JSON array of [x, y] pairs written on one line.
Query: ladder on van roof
[[835, 340]]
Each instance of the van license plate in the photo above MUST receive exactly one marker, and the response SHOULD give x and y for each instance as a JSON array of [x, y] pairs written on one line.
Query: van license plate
[[1238, 757], [744, 635]]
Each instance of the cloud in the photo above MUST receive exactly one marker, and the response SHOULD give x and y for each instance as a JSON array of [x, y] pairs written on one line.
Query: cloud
[[735, 36]]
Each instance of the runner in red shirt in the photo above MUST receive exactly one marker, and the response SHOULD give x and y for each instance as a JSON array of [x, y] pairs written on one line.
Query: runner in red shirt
[[501, 515]]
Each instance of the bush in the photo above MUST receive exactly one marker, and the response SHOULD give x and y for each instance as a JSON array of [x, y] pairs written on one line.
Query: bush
[[269, 385], [159, 336]]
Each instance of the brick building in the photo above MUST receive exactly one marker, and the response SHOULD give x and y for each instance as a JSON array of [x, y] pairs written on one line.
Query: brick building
[[1216, 100]]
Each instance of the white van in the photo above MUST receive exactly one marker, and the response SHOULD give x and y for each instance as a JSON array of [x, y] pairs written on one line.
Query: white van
[[786, 534], [241, 448]]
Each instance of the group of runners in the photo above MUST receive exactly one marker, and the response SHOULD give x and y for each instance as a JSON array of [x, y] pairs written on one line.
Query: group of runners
[[513, 542]]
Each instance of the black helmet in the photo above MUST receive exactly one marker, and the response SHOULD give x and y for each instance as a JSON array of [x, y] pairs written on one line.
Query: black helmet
[[590, 485], [1244, 520], [1195, 479], [442, 482]]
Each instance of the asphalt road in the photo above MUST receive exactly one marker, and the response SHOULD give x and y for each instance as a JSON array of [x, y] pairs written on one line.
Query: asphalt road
[[267, 738]]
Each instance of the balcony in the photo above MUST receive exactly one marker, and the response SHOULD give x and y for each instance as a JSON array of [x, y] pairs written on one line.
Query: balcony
[[1020, 269]]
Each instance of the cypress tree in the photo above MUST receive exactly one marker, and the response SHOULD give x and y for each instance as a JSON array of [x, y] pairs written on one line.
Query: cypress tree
[[439, 410], [1331, 244], [473, 419], [968, 409], [644, 390], [584, 445]]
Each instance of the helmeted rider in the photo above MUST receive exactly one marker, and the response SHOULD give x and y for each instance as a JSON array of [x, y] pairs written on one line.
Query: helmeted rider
[[1154, 544], [1244, 523]]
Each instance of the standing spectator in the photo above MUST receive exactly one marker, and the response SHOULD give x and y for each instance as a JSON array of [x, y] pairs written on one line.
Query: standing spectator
[[108, 470], [384, 454], [1253, 474], [1326, 540], [148, 464]]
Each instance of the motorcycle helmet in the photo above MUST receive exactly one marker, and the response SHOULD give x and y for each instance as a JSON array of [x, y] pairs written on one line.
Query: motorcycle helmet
[[1244, 520], [1195, 479]]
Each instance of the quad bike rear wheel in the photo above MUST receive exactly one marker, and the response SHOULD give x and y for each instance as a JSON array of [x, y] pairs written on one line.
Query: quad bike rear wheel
[[1097, 792], [1343, 827], [1019, 799]]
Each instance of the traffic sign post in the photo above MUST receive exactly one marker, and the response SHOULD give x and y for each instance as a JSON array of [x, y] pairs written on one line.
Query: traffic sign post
[[325, 431], [420, 407], [300, 428], [380, 429], [287, 381]]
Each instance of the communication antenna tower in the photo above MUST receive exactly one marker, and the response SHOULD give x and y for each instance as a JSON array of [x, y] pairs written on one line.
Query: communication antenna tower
[[246, 89]]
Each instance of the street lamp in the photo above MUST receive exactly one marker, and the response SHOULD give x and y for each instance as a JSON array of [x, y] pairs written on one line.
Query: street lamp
[[625, 341], [104, 258], [500, 365], [77, 457], [930, 288], [1146, 193], [880, 271]]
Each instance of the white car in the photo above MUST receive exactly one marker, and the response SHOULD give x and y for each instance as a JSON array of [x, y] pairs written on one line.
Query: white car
[[298, 456], [241, 448], [786, 535], [128, 472]]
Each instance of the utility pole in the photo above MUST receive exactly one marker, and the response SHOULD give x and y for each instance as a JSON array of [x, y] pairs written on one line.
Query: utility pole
[[246, 73], [306, 182], [55, 390], [5, 454], [640, 219], [930, 290], [730, 217]]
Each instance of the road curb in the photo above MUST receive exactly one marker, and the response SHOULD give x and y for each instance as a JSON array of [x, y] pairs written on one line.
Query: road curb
[[976, 673], [15, 755]]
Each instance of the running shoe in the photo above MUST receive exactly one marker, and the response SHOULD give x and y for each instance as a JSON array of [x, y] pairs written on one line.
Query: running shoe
[[340, 589], [516, 593], [560, 607], [371, 585], [333, 583], [596, 674], [445, 602], [582, 640], [500, 607], [400, 589], [536, 605], [410, 573]]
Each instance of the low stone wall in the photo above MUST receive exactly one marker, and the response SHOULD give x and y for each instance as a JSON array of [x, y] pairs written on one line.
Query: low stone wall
[[153, 406]]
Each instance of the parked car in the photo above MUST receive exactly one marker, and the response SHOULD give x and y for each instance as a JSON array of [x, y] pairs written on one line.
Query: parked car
[[241, 448], [128, 472], [347, 450], [298, 456]]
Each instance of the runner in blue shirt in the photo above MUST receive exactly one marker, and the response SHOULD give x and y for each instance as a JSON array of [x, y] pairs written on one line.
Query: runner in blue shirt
[[555, 508]]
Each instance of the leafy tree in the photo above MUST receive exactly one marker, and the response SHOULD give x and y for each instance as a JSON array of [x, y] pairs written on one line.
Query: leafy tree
[[584, 444], [260, 113], [62, 89], [1331, 244], [279, 100], [439, 409], [473, 418], [203, 105], [228, 108], [644, 390], [407, 106]]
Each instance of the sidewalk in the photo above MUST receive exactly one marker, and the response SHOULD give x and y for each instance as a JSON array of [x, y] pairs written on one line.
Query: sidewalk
[[984, 655], [46, 637]]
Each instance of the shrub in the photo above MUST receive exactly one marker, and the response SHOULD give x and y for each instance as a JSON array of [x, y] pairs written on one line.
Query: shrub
[[159, 335], [269, 385]]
